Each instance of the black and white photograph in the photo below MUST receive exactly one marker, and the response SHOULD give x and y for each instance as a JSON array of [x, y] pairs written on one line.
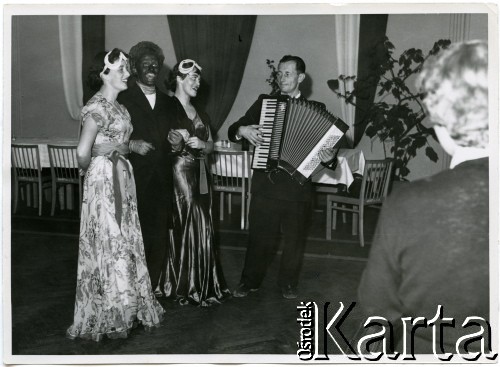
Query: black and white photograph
[[286, 183]]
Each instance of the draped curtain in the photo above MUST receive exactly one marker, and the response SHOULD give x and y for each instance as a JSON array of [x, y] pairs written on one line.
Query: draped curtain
[[220, 44], [93, 28], [70, 40], [346, 47], [372, 30]]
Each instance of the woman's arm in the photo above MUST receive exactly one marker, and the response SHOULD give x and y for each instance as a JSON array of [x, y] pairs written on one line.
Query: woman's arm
[[87, 139]]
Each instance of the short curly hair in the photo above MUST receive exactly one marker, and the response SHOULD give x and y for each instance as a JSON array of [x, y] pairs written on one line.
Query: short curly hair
[[94, 80], [145, 48], [455, 86]]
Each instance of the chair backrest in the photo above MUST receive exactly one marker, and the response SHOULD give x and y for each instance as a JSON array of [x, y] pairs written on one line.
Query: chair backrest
[[376, 178], [229, 171], [63, 163], [26, 161]]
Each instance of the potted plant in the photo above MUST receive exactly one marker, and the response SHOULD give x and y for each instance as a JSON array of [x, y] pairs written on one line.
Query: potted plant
[[397, 114]]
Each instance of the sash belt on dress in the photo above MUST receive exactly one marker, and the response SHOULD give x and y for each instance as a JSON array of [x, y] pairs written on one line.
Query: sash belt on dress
[[116, 153]]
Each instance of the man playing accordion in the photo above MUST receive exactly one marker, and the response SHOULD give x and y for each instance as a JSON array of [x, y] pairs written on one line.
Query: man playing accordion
[[278, 201]]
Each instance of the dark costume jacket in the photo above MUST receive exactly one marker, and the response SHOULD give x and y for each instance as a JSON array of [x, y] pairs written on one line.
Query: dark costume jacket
[[154, 170]]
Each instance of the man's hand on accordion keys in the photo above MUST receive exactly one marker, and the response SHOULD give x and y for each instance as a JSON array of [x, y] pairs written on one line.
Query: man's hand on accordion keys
[[251, 133]]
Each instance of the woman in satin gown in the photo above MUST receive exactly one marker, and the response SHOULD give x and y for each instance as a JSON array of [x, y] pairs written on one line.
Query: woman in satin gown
[[113, 291], [193, 272]]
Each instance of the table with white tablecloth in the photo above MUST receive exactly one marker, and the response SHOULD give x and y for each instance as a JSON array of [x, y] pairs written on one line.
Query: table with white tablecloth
[[350, 162]]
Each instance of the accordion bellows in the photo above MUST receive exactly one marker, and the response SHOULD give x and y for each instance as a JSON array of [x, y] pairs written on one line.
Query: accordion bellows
[[294, 131]]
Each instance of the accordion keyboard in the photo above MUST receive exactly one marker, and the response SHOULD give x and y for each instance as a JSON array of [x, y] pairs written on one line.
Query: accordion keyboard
[[267, 114]]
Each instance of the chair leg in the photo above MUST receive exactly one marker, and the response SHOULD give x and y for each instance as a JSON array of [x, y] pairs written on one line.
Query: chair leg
[[355, 221], [328, 218], [28, 195], [35, 195], [221, 204], [334, 217], [16, 193], [80, 195], [229, 203], [242, 210], [53, 199], [344, 215], [40, 197], [361, 232]]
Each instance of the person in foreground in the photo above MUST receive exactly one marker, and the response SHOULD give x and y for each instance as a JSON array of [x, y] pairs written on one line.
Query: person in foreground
[[278, 201], [193, 273], [113, 292], [431, 246], [150, 153]]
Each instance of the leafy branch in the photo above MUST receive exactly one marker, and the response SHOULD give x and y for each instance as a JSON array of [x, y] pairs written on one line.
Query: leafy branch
[[398, 114]]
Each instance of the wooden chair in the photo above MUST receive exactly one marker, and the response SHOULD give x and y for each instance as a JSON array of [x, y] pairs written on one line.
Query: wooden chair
[[64, 169], [28, 170], [374, 188], [228, 171]]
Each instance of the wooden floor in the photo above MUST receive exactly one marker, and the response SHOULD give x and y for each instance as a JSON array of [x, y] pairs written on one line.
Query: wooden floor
[[43, 277]]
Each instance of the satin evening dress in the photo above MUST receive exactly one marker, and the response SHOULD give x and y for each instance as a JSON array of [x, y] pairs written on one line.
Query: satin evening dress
[[193, 273]]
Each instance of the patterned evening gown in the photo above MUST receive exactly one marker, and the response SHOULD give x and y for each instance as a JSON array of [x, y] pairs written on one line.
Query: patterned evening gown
[[113, 292], [193, 273]]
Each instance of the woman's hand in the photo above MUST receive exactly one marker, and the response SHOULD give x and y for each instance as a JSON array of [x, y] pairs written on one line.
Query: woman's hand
[[174, 138], [196, 143], [252, 133], [140, 147]]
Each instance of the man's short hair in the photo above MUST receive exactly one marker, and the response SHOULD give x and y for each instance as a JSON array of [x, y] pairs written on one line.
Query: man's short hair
[[300, 65]]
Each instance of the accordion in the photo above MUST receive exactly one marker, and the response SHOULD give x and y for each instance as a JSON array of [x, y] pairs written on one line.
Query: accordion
[[294, 131]]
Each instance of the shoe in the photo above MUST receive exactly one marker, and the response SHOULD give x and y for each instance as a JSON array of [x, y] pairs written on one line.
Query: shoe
[[243, 290], [289, 292]]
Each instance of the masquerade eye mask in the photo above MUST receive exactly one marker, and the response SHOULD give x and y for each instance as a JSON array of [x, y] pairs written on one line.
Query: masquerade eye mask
[[115, 65], [188, 65]]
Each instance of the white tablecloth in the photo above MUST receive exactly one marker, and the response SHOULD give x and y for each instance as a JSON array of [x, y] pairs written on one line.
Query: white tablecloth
[[43, 149], [350, 161]]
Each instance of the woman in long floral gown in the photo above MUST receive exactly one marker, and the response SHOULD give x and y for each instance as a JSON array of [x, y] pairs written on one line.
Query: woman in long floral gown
[[193, 273], [113, 292]]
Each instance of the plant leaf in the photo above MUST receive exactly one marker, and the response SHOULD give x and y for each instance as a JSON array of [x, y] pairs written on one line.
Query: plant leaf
[[429, 152]]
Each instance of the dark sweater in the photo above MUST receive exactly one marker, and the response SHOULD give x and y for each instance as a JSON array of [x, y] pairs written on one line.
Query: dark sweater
[[431, 248], [277, 184]]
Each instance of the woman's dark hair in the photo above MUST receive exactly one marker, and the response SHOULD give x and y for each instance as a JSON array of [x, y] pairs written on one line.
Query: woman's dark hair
[[145, 48], [94, 80], [171, 82]]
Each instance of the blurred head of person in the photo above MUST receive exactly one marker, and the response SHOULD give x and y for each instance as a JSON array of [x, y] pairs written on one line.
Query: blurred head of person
[[455, 87], [146, 60]]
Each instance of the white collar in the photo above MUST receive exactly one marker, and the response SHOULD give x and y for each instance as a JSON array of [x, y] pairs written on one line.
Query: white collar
[[463, 154], [297, 96]]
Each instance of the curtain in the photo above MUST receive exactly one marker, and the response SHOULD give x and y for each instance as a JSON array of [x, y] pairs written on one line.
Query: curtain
[[70, 40], [92, 43], [372, 30], [346, 47], [220, 45]]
